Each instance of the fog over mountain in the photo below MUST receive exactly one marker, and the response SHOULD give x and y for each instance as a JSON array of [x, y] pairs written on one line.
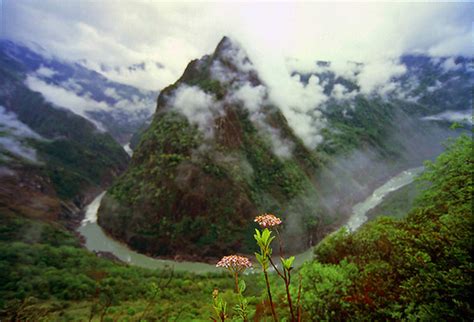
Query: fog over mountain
[[318, 151], [307, 152], [14, 134], [159, 39], [114, 107]]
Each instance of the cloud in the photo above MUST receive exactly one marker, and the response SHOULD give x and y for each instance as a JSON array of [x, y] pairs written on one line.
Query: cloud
[[9, 121], [452, 116], [66, 95], [450, 65], [152, 78], [276, 36], [67, 99], [300, 103], [111, 92], [254, 99], [340, 92], [13, 134], [17, 148], [127, 33], [378, 76], [199, 107], [45, 72]]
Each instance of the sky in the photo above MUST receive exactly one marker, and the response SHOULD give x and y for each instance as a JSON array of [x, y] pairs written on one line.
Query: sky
[[165, 36]]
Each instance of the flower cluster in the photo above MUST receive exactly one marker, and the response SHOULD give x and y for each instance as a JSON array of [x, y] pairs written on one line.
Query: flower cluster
[[267, 220], [234, 263]]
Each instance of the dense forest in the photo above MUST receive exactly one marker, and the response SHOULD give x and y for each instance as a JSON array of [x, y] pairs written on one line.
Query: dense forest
[[418, 267], [302, 161]]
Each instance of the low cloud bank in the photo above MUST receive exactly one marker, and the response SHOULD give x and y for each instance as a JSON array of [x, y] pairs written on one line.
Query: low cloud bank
[[71, 95], [452, 116], [199, 107], [13, 135]]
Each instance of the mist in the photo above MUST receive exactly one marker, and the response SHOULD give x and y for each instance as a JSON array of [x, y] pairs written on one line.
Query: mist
[[351, 178], [14, 135]]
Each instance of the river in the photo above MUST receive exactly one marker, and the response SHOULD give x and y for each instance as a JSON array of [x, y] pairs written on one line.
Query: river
[[97, 240]]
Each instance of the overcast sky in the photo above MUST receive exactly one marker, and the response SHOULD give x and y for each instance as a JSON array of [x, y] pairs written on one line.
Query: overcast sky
[[122, 33]]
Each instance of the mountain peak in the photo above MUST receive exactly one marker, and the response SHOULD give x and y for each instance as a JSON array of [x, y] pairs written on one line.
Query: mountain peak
[[229, 50], [226, 44]]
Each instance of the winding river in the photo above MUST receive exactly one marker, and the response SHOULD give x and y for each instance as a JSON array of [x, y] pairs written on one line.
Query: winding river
[[96, 240]]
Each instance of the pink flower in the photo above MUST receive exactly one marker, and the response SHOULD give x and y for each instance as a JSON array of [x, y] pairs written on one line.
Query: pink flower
[[267, 220], [234, 263]]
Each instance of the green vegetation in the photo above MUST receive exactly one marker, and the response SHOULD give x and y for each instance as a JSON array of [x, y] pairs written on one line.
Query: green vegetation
[[236, 265], [369, 123], [419, 267], [74, 155], [185, 193], [398, 203], [51, 278]]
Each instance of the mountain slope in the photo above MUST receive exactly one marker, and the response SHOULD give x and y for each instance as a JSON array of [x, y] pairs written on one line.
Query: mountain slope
[[120, 109], [218, 152], [175, 189], [51, 160], [419, 267]]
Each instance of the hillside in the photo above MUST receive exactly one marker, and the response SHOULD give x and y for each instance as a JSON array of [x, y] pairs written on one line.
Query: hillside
[[416, 268], [51, 161], [419, 267], [117, 108], [219, 151]]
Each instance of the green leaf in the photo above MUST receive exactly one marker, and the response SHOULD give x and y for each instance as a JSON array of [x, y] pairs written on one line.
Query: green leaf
[[287, 263], [242, 286]]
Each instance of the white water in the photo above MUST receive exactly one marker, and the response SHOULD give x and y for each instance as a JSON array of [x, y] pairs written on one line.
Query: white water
[[359, 211], [128, 149], [97, 240]]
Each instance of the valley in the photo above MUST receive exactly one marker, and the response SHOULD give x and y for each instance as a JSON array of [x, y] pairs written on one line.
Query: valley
[[291, 161], [96, 240]]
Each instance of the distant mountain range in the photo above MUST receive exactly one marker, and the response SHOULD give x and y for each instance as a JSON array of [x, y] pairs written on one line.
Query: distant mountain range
[[114, 107], [219, 150], [52, 161]]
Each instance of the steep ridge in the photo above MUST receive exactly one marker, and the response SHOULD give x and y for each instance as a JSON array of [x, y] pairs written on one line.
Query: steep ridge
[[51, 160], [205, 181], [218, 152], [118, 108]]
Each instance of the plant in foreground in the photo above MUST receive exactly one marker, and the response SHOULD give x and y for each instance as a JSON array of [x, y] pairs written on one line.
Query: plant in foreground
[[235, 265], [264, 240], [220, 306]]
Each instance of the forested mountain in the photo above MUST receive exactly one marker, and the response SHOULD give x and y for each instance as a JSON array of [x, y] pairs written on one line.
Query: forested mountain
[[113, 107], [316, 164], [416, 268], [52, 161], [419, 267], [219, 151]]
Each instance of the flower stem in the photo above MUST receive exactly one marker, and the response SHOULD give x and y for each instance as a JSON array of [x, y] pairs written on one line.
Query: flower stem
[[288, 295], [286, 276], [270, 296], [236, 279]]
